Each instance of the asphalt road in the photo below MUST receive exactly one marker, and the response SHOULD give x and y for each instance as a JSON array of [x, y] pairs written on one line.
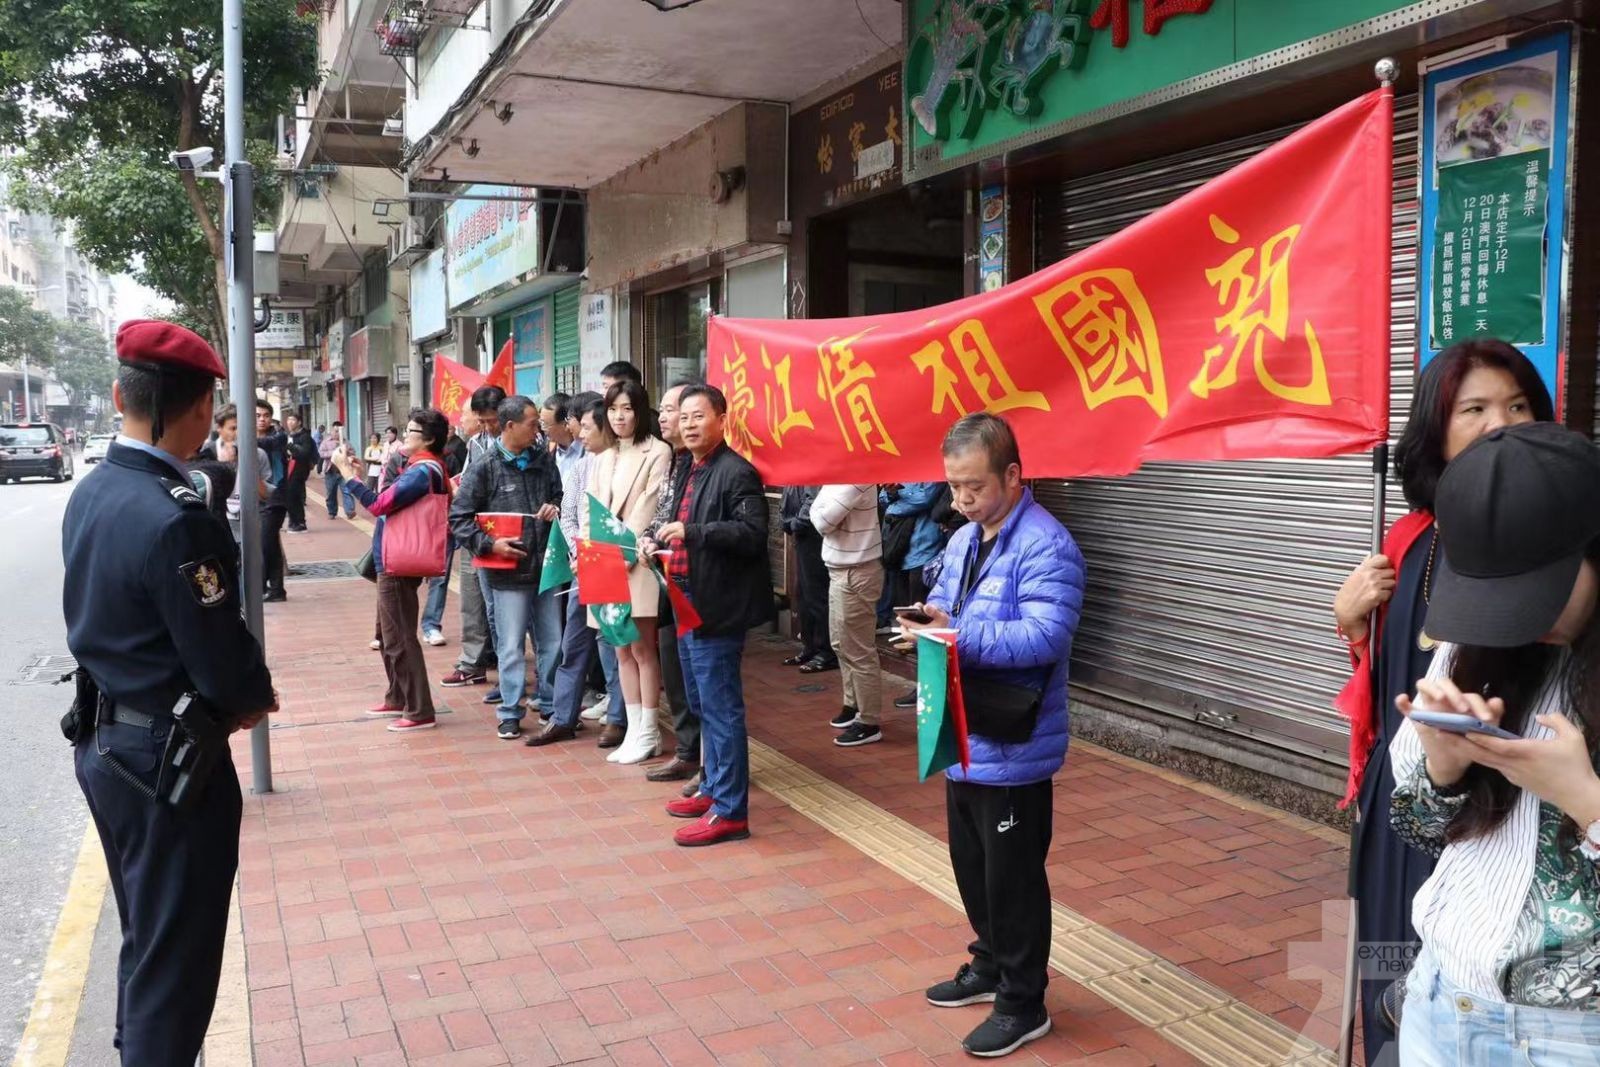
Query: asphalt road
[[42, 814]]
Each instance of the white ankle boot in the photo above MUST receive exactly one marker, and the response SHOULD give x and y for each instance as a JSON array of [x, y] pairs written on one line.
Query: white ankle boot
[[643, 737]]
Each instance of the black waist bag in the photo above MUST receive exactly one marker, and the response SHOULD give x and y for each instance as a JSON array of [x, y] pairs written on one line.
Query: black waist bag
[[1001, 711]]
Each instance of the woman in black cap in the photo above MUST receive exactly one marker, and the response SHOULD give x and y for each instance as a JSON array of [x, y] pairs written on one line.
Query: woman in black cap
[[1509, 970], [1468, 390]]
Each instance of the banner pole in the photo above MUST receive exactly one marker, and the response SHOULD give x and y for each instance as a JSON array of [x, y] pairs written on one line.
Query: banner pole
[[1386, 71]]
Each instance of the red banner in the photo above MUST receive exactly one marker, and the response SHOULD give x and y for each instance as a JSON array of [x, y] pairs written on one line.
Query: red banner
[[1249, 319], [453, 385]]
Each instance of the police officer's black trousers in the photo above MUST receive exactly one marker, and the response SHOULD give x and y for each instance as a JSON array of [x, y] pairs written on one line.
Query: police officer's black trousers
[[999, 837], [172, 875]]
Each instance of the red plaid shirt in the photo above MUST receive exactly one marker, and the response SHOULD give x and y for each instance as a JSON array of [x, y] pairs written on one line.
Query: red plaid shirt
[[678, 562]]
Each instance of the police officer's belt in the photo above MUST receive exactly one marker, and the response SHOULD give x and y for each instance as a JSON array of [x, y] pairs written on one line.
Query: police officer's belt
[[125, 715]]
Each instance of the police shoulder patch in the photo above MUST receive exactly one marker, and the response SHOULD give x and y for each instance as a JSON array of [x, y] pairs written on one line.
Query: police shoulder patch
[[205, 581], [182, 493]]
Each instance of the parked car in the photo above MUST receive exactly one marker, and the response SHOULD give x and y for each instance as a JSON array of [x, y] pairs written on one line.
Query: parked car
[[34, 450], [94, 449]]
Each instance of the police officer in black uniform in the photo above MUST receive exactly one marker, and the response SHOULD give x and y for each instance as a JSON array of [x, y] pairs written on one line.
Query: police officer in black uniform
[[153, 617]]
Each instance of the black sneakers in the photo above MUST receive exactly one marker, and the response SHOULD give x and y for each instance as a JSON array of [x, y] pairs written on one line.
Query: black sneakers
[[509, 730], [967, 987], [845, 717], [1001, 1034], [858, 733], [907, 700]]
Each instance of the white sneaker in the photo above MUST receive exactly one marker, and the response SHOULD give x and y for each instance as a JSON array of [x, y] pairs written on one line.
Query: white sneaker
[[596, 712], [433, 637], [375, 645]]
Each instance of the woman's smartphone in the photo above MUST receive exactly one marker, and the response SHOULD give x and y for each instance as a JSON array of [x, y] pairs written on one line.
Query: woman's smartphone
[[912, 613], [1456, 723]]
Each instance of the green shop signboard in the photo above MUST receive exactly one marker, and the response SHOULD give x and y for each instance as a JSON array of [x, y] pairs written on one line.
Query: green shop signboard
[[982, 76]]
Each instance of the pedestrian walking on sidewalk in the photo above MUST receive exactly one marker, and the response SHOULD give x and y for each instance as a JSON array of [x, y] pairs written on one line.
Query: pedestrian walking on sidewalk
[[333, 484], [408, 699], [1509, 963], [518, 478], [1468, 390], [718, 541], [303, 458], [627, 480], [852, 547], [274, 510], [153, 616], [1012, 590]]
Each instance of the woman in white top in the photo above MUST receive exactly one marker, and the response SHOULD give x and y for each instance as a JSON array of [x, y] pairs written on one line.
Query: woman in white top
[[374, 457], [628, 479], [1509, 971]]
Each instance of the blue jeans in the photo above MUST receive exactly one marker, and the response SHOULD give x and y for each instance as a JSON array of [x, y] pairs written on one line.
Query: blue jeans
[[548, 623], [715, 689], [488, 606], [578, 646], [438, 594], [333, 484], [1441, 1026], [516, 614], [616, 707]]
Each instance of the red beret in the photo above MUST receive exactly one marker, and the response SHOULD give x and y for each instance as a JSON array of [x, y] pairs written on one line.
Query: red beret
[[153, 343]]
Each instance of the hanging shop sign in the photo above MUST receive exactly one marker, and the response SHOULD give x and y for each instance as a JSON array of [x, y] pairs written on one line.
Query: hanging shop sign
[[984, 73], [430, 304], [1495, 144], [338, 334], [490, 243], [848, 147], [596, 345], [991, 238], [287, 329], [303, 368], [1248, 320]]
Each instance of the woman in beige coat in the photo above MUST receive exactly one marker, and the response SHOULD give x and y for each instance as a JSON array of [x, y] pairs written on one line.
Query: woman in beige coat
[[628, 479]]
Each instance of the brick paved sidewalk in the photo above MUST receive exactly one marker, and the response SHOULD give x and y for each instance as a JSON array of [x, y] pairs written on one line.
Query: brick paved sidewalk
[[447, 898]]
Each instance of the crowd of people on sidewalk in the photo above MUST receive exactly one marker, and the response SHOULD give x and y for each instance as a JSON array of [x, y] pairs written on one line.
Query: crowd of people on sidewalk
[[1472, 636]]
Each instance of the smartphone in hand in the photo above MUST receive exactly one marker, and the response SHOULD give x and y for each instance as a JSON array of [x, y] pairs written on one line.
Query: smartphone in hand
[[912, 613], [1456, 723]]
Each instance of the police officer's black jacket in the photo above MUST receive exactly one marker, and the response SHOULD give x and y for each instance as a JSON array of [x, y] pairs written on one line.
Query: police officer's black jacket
[[493, 483], [152, 591]]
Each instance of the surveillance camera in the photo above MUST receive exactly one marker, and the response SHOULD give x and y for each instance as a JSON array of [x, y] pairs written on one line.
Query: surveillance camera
[[195, 159]]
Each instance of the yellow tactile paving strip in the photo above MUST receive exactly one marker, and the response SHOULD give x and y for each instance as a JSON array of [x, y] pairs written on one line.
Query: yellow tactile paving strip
[[1192, 1014]]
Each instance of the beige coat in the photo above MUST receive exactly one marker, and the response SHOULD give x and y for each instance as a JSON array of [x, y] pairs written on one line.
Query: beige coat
[[629, 480]]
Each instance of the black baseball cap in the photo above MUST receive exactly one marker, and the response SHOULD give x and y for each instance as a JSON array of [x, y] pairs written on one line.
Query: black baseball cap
[[1516, 511]]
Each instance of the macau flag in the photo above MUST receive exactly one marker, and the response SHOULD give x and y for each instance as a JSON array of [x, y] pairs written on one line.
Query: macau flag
[[607, 528], [616, 624], [557, 567], [1247, 320], [941, 714]]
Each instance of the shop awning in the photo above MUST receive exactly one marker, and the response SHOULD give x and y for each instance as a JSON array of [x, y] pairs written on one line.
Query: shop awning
[[593, 86]]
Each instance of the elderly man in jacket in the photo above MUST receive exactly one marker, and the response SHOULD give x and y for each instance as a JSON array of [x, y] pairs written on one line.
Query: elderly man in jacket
[[718, 545], [516, 478], [1012, 590]]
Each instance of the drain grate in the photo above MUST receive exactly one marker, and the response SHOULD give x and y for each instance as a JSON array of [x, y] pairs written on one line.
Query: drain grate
[[811, 687], [45, 670], [323, 570]]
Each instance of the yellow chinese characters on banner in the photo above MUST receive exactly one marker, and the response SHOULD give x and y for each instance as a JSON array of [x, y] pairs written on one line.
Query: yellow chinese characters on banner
[[980, 367], [1103, 325], [1256, 281], [845, 382]]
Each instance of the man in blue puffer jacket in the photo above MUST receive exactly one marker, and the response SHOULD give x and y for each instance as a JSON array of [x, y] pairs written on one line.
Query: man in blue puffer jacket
[[1012, 589]]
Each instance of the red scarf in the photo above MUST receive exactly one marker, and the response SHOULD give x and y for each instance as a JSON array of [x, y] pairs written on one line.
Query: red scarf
[[1355, 701]]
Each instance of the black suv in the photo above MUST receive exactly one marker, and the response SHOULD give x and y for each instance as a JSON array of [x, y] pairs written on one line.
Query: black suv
[[34, 450]]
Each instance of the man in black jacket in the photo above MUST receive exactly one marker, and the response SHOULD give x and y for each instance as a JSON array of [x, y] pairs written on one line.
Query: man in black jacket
[[718, 545], [302, 461], [515, 478]]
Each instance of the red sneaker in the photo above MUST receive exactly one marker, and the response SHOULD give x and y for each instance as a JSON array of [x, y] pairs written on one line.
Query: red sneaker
[[690, 807], [385, 711], [712, 829], [406, 726]]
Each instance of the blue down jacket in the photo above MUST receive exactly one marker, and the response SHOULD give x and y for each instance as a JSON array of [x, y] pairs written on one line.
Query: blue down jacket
[[1018, 621]]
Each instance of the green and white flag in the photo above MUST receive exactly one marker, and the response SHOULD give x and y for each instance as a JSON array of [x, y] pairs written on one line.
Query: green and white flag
[[616, 624], [941, 713], [606, 527], [557, 566]]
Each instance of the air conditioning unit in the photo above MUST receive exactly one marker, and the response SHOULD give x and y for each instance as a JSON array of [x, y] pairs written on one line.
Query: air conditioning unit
[[408, 243]]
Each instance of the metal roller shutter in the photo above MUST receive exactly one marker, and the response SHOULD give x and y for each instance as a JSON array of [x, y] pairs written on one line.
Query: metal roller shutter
[[1210, 584]]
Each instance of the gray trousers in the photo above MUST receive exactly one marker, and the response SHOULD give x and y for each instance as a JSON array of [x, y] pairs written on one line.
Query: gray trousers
[[477, 646]]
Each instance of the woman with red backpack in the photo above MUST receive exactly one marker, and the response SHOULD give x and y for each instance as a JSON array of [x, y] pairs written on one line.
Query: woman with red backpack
[[409, 543]]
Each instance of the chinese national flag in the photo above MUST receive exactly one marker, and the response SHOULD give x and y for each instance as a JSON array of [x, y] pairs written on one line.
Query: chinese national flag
[[683, 612], [602, 574], [452, 387], [1248, 319], [504, 372], [497, 524]]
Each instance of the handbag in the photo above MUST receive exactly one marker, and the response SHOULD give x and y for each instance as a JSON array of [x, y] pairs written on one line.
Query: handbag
[[366, 567], [416, 539], [1001, 711]]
